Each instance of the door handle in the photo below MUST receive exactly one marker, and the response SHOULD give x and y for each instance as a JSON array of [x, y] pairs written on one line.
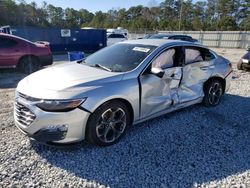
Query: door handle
[[173, 75]]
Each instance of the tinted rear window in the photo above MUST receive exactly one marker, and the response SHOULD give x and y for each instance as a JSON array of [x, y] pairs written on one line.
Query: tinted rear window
[[116, 36]]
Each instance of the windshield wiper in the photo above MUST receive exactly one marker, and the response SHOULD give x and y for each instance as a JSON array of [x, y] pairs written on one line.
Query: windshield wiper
[[103, 67]]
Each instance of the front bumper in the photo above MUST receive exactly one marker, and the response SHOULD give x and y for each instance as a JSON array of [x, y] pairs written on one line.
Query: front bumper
[[63, 127], [48, 135]]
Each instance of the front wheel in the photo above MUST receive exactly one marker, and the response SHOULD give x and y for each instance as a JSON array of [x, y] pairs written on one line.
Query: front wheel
[[213, 92], [108, 123]]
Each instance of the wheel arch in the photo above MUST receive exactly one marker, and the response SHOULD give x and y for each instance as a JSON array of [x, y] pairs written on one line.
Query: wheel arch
[[124, 101], [26, 56], [218, 78], [128, 105]]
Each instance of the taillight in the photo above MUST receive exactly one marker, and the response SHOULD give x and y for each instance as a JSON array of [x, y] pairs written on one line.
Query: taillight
[[49, 50]]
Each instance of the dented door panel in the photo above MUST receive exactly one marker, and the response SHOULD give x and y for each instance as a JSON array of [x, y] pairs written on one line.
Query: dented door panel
[[159, 93], [194, 77]]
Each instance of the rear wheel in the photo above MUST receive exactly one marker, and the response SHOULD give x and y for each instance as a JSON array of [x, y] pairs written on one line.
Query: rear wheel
[[29, 65], [213, 92], [108, 124]]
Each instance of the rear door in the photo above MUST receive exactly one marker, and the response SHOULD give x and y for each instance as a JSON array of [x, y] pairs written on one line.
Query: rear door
[[159, 94], [198, 67], [8, 52]]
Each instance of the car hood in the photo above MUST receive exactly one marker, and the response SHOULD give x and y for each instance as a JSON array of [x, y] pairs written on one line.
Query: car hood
[[69, 78]]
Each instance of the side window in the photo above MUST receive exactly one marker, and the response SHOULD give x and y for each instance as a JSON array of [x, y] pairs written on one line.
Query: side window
[[193, 55], [165, 59], [119, 36], [174, 38], [188, 38], [7, 43], [180, 38], [208, 56], [113, 36], [177, 37]]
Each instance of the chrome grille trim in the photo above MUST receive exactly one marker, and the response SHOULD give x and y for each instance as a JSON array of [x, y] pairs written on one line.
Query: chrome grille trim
[[23, 115]]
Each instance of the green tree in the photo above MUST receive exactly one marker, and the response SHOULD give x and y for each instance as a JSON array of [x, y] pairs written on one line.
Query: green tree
[[169, 15], [244, 15], [122, 18], [199, 18], [72, 18], [227, 11], [98, 20], [43, 15], [9, 13], [56, 16], [186, 13], [85, 17], [211, 15], [111, 18]]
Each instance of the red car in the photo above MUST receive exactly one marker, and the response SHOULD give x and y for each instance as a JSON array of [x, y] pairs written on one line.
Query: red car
[[16, 52]]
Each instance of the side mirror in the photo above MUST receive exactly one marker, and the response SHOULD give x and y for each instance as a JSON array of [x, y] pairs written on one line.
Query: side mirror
[[158, 72], [248, 48]]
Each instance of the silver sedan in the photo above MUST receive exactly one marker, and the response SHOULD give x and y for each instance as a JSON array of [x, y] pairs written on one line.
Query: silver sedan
[[98, 98]]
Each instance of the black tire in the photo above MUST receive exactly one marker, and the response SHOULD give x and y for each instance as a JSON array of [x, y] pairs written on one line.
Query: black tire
[[29, 65], [239, 65], [100, 128], [213, 91]]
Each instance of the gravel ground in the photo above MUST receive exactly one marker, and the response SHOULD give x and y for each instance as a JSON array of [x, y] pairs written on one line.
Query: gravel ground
[[193, 147]]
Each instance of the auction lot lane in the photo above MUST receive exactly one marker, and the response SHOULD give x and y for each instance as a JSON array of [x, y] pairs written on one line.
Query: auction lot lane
[[193, 147]]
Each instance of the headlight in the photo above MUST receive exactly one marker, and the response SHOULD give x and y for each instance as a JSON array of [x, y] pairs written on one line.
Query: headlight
[[59, 105], [245, 60]]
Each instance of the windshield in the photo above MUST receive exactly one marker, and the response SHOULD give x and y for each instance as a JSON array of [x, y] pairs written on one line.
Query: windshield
[[120, 57]]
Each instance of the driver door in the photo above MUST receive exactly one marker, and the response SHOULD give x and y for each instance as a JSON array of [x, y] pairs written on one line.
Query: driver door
[[159, 93], [8, 52]]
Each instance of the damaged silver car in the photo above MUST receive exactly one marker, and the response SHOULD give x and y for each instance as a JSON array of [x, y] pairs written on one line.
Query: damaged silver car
[[98, 98]]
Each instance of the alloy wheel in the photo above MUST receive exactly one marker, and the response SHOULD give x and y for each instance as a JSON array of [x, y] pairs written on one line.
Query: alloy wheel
[[215, 93], [111, 125]]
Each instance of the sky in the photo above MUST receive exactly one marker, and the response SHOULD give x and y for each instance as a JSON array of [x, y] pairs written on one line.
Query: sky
[[96, 5]]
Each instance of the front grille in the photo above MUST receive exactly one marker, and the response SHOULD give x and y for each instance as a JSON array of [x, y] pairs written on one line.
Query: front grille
[[23, 115]]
